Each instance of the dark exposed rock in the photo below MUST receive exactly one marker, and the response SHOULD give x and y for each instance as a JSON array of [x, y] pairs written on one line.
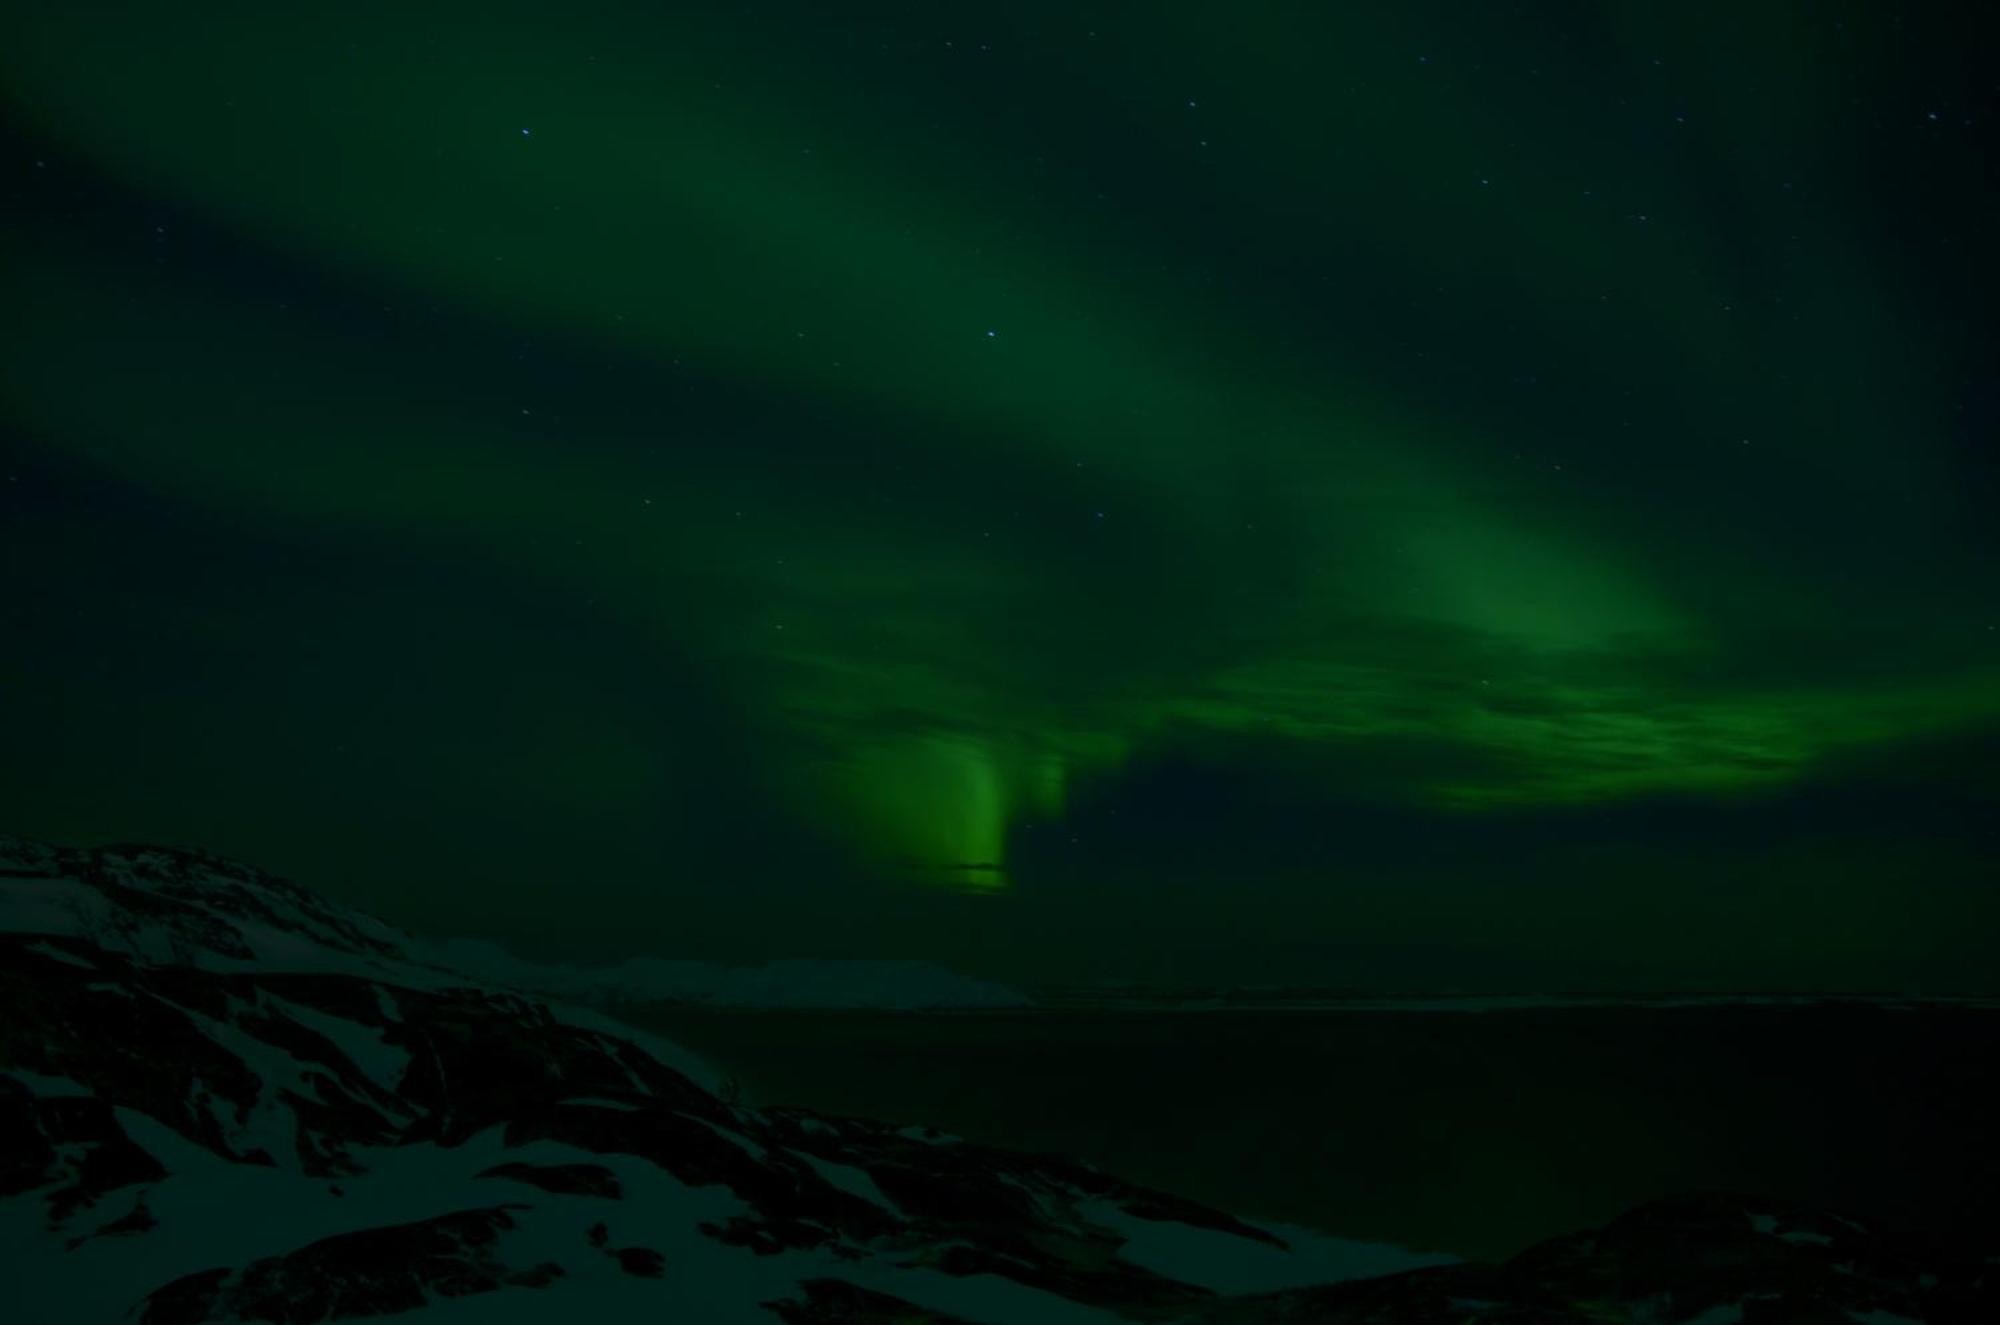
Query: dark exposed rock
[[481, 1060], [642, 1261], [376, 1272], [138, 1220], [189, 1300], [941, 1195], [27, 1160]]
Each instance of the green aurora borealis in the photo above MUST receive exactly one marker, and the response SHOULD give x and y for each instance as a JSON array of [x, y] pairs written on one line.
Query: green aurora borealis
[[1420, 495]]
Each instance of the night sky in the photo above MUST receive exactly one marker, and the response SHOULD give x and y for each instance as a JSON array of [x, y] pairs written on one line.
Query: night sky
[[1493, 496]]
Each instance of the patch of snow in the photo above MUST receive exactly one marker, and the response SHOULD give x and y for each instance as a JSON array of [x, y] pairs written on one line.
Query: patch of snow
[[854, 1181], [46, 1087], [743, 1143], [51, 950], [1766, 1224], [1797, 1236], [50, 906], [1231, 1263]]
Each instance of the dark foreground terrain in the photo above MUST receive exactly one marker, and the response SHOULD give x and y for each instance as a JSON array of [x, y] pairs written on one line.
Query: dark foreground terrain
[[223, 1098]]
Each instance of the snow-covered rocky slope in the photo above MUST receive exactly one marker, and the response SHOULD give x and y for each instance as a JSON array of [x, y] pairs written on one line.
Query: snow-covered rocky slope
[[198, 909], [225, 1098]]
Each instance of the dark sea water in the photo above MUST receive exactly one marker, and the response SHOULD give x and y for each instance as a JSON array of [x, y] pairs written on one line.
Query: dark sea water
[[1471, 1132]]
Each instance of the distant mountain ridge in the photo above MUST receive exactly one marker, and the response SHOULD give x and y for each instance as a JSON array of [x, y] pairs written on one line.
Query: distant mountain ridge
[[224, 1099]]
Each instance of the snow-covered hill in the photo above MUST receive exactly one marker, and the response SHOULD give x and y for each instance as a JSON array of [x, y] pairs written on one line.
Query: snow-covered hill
[[223, 1098], [168, 904]]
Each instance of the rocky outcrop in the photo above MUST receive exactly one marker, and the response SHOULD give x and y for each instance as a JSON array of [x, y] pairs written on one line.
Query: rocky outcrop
[[375, 1272], [1712, 1258]]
